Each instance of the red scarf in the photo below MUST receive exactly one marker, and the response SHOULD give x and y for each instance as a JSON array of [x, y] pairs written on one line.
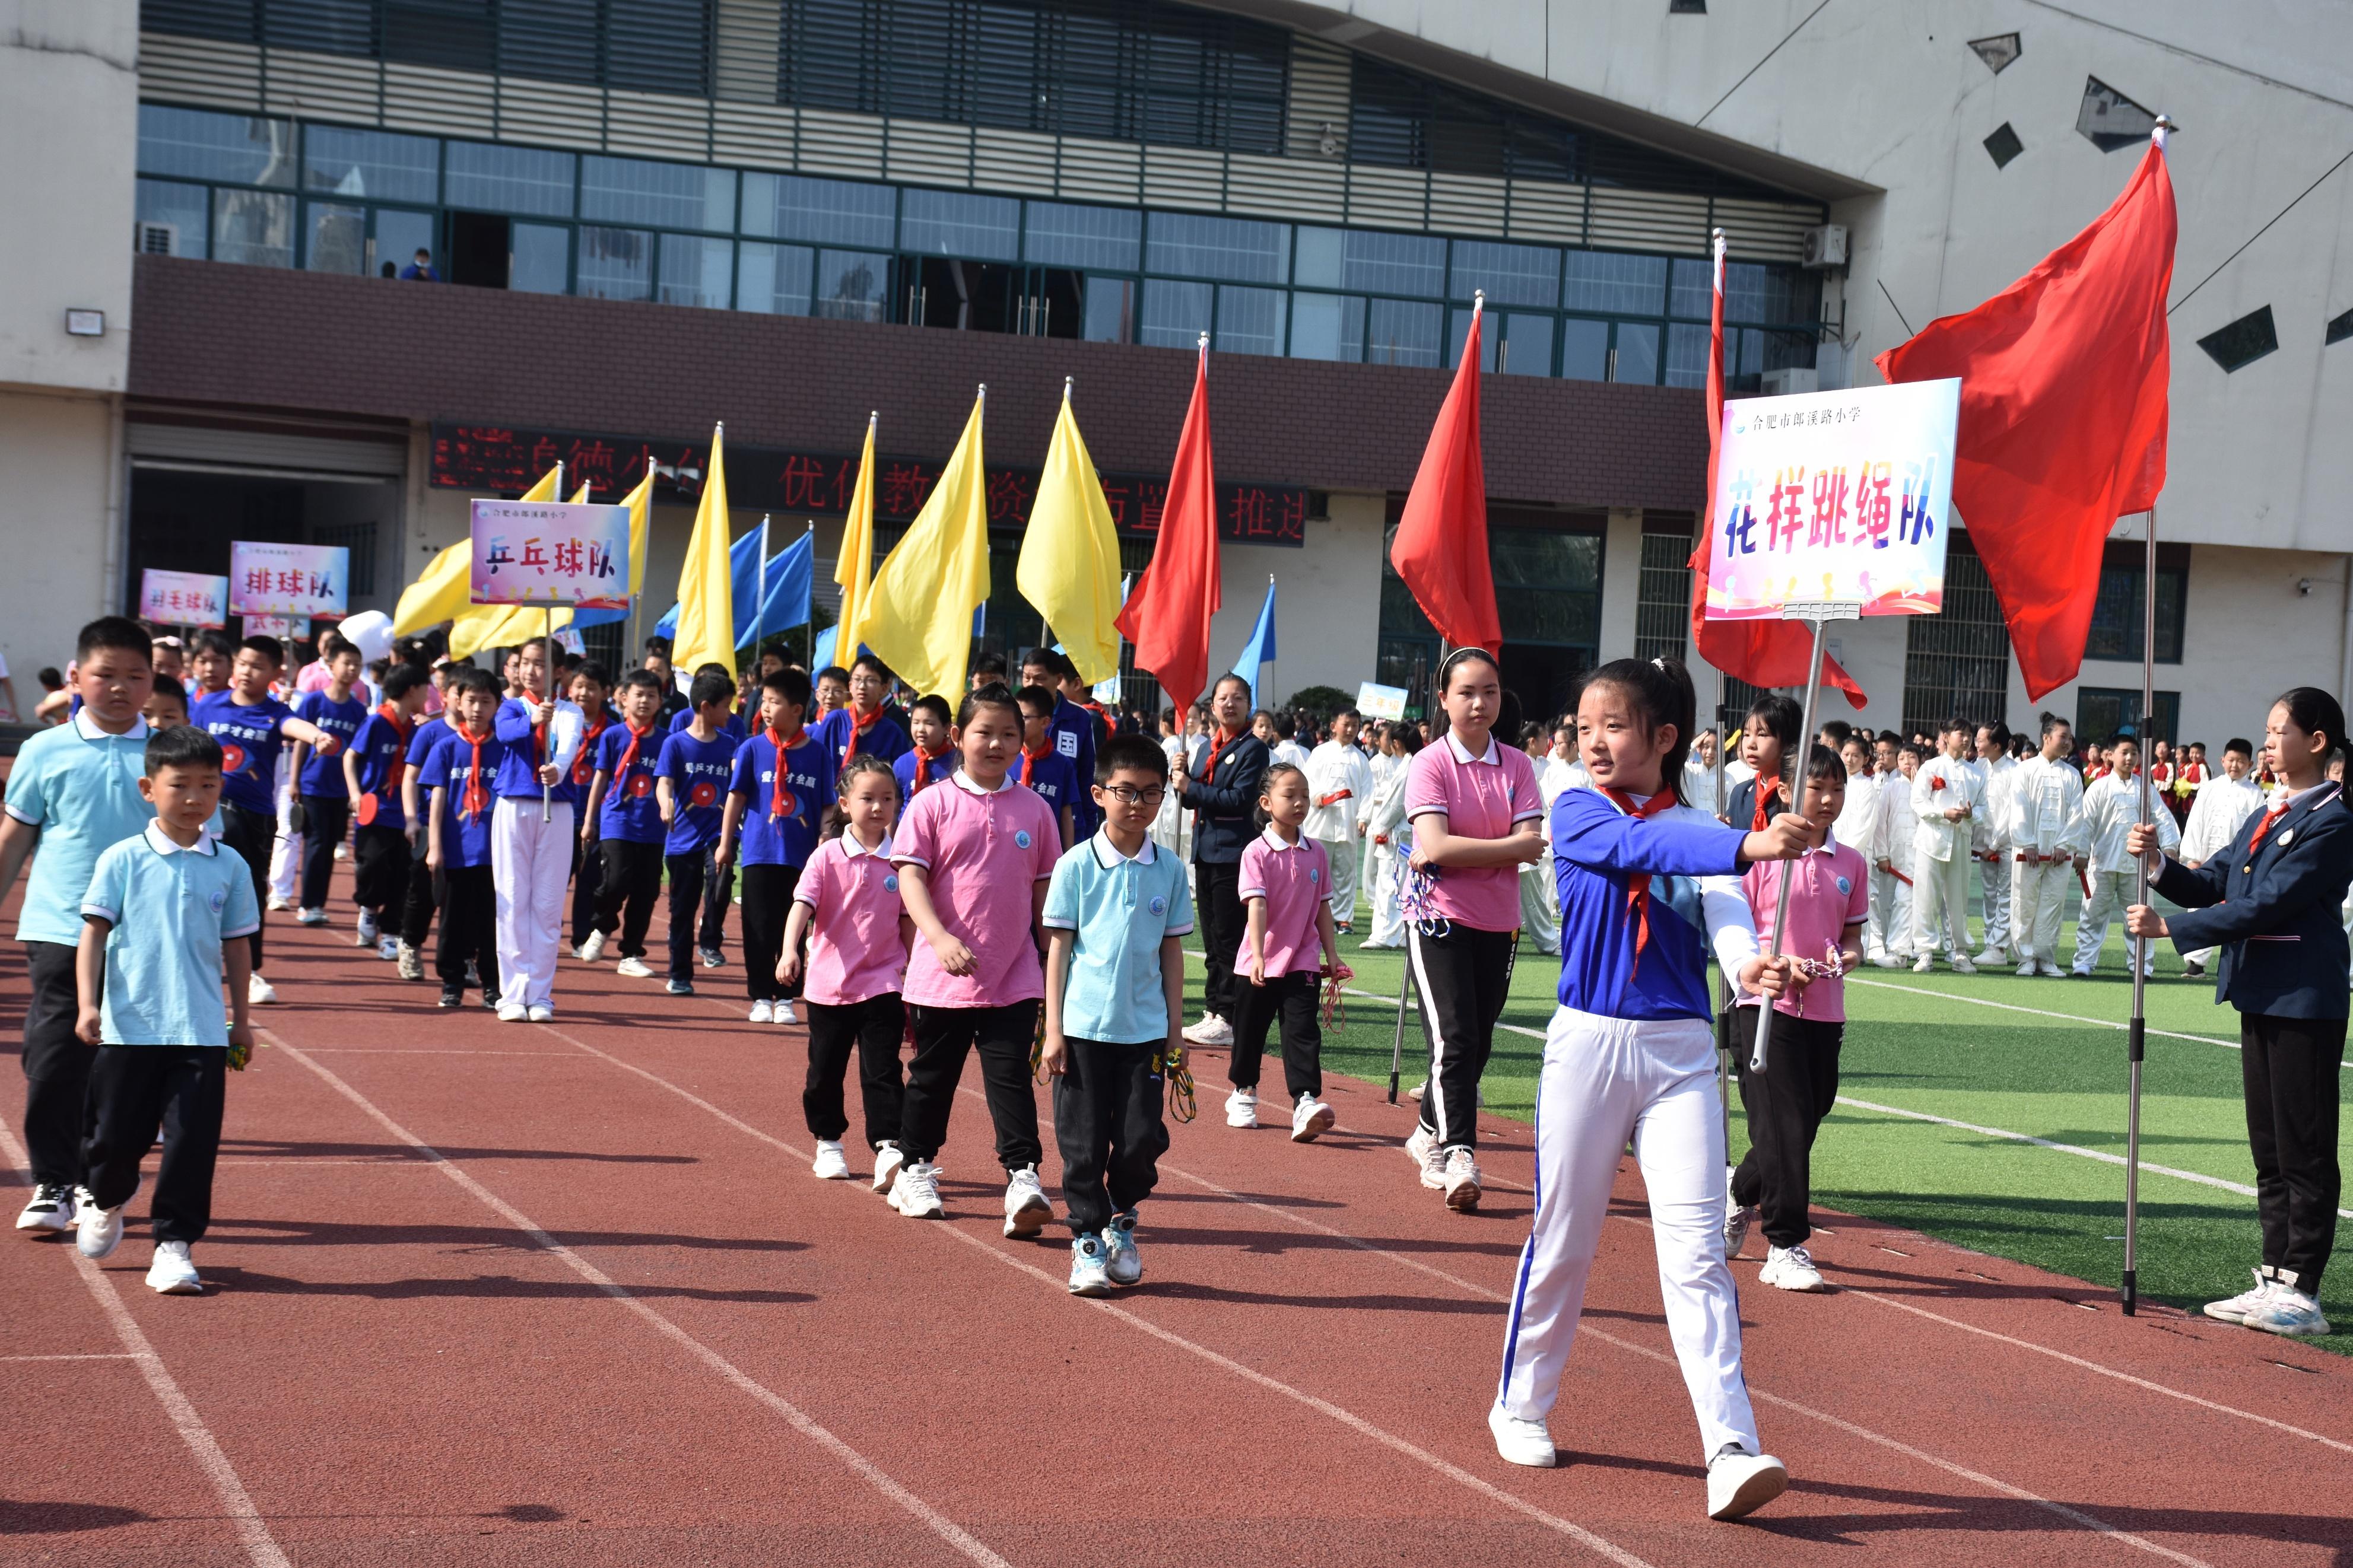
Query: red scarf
[[397, 768], [1638, 883], [629, 753], [478, 795], [583, 765], [779, 791], [1768, 792], [858, 727], [2263, 828], [924, 761], [1028, 759]]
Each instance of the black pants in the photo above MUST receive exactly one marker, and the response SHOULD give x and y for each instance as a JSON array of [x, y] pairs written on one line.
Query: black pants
[[1293, 998], [2290, 1069], [873, 1028], [687, 877], [134, 1092], [252, 833], [1217, 901], [718, 893], [943, 1037], [427, 891], [1108, 1126], [767, 904], [625, 896], [587, 885], [1462, 978], [469, 927], [57, 1066], [327, 818], [1785, 1105], [380, 867]]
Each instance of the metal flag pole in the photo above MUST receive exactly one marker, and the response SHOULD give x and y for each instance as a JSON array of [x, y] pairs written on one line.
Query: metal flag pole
[[548, 661], [1726, 997], [759, 593], [2137, 1033], [1268, 703], [1405, 983]]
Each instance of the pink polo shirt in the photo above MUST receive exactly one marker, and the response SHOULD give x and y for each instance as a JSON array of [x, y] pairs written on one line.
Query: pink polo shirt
[[1294, 879], [852, 893], [984, 851], [1481, 797], [1833, 890]]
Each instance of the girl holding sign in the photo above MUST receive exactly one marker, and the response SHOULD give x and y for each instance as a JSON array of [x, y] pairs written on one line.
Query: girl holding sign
[[530, 835]]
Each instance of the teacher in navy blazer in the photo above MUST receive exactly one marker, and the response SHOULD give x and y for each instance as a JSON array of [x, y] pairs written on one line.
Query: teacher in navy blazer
[[2271, 902]]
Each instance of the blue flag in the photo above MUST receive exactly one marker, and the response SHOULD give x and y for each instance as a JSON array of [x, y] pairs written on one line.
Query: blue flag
[[1259, 652], [789, 576]]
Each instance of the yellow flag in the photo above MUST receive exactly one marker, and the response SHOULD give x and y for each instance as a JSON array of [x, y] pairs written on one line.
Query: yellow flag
[[444, 591], [641, 502], [1069, 558], [706, 598], [477, 626], [854, 567], [919, 614]]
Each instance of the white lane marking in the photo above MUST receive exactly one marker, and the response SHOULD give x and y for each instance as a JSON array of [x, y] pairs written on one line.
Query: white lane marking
[[418, 1051], [236, 1502], [939, 1523], [87, 1355], [2037, 1012]]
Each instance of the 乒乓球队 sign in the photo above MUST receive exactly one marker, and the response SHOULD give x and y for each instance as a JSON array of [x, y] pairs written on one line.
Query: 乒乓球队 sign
[[183, 599], [1375, 702], [553, 553], [1836, 498], [300, 580]]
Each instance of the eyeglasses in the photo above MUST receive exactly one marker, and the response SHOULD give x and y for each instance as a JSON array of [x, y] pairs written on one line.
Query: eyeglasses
[[1126, 796]]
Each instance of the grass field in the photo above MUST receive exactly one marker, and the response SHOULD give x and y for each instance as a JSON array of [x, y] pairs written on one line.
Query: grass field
[[2048, 1063]]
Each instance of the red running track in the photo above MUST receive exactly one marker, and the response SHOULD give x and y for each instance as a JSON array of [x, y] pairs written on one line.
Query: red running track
[[495, 1293]]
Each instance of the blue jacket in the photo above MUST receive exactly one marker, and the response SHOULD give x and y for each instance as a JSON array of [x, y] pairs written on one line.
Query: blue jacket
[[1225, 801], [1695, 901], [2274, 913]]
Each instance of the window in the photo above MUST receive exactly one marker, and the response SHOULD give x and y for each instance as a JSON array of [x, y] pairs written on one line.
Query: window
[[173, 219], [1250, 320], [337, 239], [376, 164], [1110, 309], [1065, 235], [2243, 341], [2108, 120], [1327, 326], [2118, 613], [951, 223], [667, 196], [1662, 604], [1393, 263], [696, 271], [499, 179], [1999, 52], [399, 235], [1957, 661], [1175, 315], [2003, 145], [850, 285], [2339, 329], [1402, 332], [539, 260], [1635, 354], [254, 227], [616, 263], [1511, 274], [1604, 280], [1584, 350], [1197, 246], [2102, 711], [1548, 600], [241, 149], [825, 211], [773, 280], [1687, 354]]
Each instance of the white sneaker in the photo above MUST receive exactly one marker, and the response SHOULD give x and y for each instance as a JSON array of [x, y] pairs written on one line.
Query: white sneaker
[[279, 901], [1961, 965], [1522, 1442], [540, 1013], [1311, 1118], [1889, 961], [1461, 1180], [829, 1164], [50, 1212], [887, 1161], [2026, 970], [365, 932], [173, 1273], [1791, 1268], [915, 1190], [2236, 1308], [2048, 969], [1088, 1274], [1740, 1482], [1416, 1092], [782, 1013], [342, 851], [1738, 1217], [1025, 1208], [1991, 957], [1924, 963], [310, 916], [387, 948], [1211, 1030], [1122, 1261], [259, 993], [761, 1013], [633, 969], [1422, 1149], [411, 962], [1242, 1109], [513, 1013], [2290, 1313], [101, 1231], [593, 948]]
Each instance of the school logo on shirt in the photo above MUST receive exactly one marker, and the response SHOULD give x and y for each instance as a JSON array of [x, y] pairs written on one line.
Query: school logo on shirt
[[703, 792], [232, 757], [1844, 886], [1067, 743], [218, 900], [890, 883], [583, 769], [1021, 838], [1314, 873], [641, 786], [1159, 905]]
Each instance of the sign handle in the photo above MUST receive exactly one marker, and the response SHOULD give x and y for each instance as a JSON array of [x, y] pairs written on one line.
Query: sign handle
[[547, 652], [1822, 615]]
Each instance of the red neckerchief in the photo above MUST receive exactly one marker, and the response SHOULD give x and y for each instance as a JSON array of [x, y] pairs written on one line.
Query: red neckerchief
[[1768, 792], [858, 727], [629, 753], [1028, 759], [538, 733], [924, 761], [1220, 742], [396, 769], [779, 790], [1638, 883], [478, 795], [587, 748], [2263, 828]]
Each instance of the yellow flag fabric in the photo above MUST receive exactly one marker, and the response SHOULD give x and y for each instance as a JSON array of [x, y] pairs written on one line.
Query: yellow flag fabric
[[1070, 557], [706, 598], [641, 502], [477, 626], [854, 567], [444, 591], [919, 615]]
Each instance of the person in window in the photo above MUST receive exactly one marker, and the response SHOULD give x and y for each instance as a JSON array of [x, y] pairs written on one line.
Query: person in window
[[421, 270]]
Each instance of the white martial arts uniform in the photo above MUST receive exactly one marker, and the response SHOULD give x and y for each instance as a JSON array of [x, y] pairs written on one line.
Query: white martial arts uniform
[[1857, 822], [1989, 842], [286, 847], [2220, 809], [1940, 855], [1891, 890], [1391, 838], [2046, 824], [2110, 808], [1539, 899], [530, 862], [1339, 791]]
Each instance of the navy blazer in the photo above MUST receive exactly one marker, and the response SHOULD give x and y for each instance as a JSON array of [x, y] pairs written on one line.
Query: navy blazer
[[2276, 914], [1225, 801]]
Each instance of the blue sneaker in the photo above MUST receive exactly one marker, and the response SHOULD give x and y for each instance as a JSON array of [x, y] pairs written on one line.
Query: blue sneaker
[[1088, 1276], [2288, 1312], [1124, 1264]]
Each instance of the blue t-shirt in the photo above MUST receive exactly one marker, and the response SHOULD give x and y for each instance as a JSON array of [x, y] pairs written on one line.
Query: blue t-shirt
[[683, 720], [809, 787], [79, 786], [1056, 779], [699, 771], [169, 909], [629, 813], [325, 775], [465, 838], [519, 768], [251, 736], [1074, 731], [883, 738], [378, 742], [944, 767]]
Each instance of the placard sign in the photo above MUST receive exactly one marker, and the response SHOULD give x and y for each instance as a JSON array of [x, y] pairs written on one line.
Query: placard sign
[[278, 627], [551, 554], [1834, 497], [183, 599], [1380, 701], [299, 580]]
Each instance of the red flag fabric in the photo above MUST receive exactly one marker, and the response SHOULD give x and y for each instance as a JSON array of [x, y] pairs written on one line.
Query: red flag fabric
[[1762, 653], [1168, 612], [2063, 379], [1441, 549]]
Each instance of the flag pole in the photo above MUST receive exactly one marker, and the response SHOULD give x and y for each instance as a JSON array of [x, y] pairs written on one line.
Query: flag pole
[[1405, 984], [547, 658], [759, 595], [1268, 703]]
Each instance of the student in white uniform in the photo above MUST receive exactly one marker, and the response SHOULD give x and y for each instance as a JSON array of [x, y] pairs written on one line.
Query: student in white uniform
[[1391, 836], [1700, 773], [1947, 794], [1990, 840], [1890, 856], [2046, 809], [1540, 903], [2220, 809], [2110, 808], [1858, 819], [1339, 790]]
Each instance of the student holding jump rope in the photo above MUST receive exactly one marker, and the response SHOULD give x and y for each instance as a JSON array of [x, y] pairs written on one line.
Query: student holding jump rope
[[1647, 883]]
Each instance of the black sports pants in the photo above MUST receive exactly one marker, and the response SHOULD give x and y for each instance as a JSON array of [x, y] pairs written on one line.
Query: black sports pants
[[943, 1038], [1108, 1126], [136, 1091], [2289, 1067], [1217, 900], [873, 1028], [1462, 978], [1785, 1105], [57, 1066], [1293, 998]]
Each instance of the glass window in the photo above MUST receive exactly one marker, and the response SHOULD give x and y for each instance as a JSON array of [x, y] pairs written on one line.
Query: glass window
[[1688, 291], [1318, 260], [1584, 348], [695, 271], [254, 227], [827, 212], [1548, 585], [850, 285], [2117, 613], [1687, 354], [172, 219], [1398, 331], [953, 223], [1110, 309], [616, 263], [338, 240], [1175, 315], [1395, 264], [243, 149], [1062, 235], [1638, 352], [1662, 596], [399, 235], [1198, 245], [773, 280], [1755, 292], [510, 179], [1527, 344], [540, 258], [1511, 274], [1327, 326], [1603, 280], [1957, 661], [2105, 710], [667, 196], [375, 163], [1250, 320]]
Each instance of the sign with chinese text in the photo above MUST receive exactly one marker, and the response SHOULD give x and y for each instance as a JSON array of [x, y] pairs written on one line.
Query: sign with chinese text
[[183, 599], [1380, 701], [1834, 497], [551, 552], [278, 627], [297, 580]]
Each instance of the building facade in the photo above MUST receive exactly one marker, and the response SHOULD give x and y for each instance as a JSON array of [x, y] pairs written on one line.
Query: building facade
[[643, 217]]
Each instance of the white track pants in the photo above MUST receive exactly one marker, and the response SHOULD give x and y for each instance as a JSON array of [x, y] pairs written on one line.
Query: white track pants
[[1888, 928], [1342, 853], [1993, 875], [1606, 1080], [531, 860], [286, 849], [2112, 893], [1388, 925], [1941, 904], [1540, 905], [2038, 899]]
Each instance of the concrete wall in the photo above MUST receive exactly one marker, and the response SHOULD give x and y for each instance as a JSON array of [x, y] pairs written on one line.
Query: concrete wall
[[59, 485]]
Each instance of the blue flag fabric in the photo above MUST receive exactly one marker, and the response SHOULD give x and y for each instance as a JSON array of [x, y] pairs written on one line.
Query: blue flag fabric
[[1259, 652], [789, 577]]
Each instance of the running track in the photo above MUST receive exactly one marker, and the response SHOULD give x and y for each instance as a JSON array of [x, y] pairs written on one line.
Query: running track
[[535, 1294]]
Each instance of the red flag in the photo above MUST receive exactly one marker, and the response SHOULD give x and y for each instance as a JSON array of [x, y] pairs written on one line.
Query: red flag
[[1168, 612], [1762, 653], [2063, 426], [1441, 548]]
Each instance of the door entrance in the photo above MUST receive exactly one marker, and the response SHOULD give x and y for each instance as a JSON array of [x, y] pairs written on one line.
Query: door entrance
[[991, 297]]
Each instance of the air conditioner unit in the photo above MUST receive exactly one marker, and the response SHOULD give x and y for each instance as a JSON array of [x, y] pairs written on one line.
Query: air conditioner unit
[[156, 238], [1795, 378], [1826, 246]]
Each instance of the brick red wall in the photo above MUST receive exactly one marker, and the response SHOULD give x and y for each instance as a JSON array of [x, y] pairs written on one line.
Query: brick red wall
[[253, 337]]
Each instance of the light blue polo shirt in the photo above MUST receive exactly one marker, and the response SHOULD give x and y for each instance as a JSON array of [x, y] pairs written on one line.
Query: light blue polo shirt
[[1120, 909], [79, 786], [171, 909]]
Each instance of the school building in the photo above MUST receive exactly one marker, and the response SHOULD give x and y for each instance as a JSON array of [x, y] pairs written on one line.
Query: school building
[[643, 217]]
